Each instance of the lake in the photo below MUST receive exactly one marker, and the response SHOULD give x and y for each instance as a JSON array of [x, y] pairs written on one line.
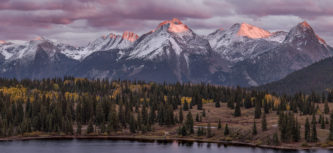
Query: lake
[[122, 146]]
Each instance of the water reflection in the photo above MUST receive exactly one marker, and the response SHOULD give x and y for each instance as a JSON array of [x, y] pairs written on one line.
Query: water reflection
[[130, 146]]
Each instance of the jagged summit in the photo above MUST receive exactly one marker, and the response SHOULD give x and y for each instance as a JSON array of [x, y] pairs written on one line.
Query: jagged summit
[[104, 43], [242, 41], [305, 24], [252, 31], [111, 35], [240, 55], [127, 35], [171, 37], [243, 30], [302, 33], [2, 42], [174, 25], [39, 38], [130, 36]]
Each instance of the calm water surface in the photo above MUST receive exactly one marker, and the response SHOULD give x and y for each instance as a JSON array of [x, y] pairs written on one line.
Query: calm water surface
[[121, 146]]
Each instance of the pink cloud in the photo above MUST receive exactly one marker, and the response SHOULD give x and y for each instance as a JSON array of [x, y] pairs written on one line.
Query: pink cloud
[[44, 17]]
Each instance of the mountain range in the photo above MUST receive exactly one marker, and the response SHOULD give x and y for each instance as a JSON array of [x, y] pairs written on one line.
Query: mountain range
[[243, 55]]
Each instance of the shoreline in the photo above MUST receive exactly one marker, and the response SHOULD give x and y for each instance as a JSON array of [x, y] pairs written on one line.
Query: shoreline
[[159, 138]]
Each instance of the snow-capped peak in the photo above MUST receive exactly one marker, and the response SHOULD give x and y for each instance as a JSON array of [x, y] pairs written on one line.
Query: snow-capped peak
[[241, 41], [130, 36], [111, 35], [305, 25], [302, 33], [174, 25], [39, 38], [2, 42], [28, 49], [252, 31], [104, 43], [171, 37]]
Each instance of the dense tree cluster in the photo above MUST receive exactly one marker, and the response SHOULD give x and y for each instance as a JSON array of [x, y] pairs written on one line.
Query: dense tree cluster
[[59, 105], [289, 127], [102, 106]]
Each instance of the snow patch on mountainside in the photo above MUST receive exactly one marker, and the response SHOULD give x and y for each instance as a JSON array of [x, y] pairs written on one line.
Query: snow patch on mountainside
[[242, 41], [279, 36], [300, 33], [103, 43], [28, 49], [170, 35]]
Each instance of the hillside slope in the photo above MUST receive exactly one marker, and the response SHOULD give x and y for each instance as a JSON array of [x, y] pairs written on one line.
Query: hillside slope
[[316, 77]]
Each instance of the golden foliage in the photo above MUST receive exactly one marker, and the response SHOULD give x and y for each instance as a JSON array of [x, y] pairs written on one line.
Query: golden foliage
[[186, 99], [269, 97], [16, 93], [288, 107], [55, 86], [69, 96], [205, 101], [142, 99]]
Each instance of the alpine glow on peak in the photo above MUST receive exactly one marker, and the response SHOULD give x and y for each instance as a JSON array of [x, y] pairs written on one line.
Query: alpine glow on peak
[[253, 31]]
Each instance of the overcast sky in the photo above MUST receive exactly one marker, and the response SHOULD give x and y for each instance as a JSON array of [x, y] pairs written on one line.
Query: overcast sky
[[79, 21]]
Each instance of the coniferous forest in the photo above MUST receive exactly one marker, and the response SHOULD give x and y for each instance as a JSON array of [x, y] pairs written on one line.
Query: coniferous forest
[[81, 107]]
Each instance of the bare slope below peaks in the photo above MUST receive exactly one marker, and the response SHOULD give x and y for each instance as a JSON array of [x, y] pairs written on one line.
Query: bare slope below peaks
[[317, 77]]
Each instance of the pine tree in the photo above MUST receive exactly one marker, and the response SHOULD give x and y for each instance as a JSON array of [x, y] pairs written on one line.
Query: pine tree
[[197, 117], [254, 128], [113, 123], [257, 111], [226, 130], [219, 125], [296, 131], [200, 131], [100, 116], [266, 107], [209, 130], [90, 128], [152, 116], [189, 123], [330, 137], [179, 130], [237, 110], [79, 127], [264, 123], [314, 129], [276, 141], [181, 116], [185, 106], [230, 104], [132, 124], [307, 130], [204, 113], [103, 128], [199, 103], [183, 131], [217, 104], [144, 115], [326, 109], [322, 123]]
